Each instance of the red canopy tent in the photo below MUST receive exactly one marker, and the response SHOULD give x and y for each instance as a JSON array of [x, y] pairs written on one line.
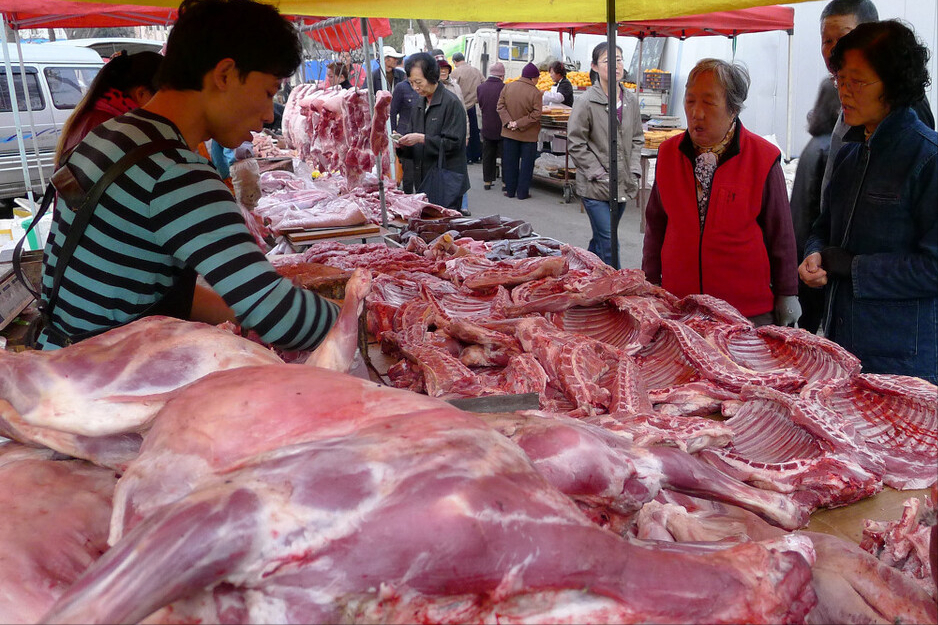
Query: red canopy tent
[[344, 34], [21, 14]]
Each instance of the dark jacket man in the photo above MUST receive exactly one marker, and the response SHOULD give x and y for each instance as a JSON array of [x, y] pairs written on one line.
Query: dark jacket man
[[488, 93]]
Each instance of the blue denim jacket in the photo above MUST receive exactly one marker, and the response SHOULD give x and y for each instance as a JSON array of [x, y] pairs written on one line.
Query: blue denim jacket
[[882, 206]]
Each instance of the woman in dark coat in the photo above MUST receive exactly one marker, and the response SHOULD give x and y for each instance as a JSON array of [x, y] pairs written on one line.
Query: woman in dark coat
[[438, 125], [806, 193]]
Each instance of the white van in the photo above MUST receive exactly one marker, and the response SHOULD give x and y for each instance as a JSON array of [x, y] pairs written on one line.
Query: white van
[[512, 48], [56, 78], [106, 47]]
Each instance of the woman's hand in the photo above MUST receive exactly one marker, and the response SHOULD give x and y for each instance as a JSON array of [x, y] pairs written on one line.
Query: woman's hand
[[811, 273], [512, 125], [412, 138]]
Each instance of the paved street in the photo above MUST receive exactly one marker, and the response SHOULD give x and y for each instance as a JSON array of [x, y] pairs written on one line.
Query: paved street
[[550, 217]]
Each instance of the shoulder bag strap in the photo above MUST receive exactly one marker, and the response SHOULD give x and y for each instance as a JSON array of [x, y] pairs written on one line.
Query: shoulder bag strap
[[47, 199], [86, 208]]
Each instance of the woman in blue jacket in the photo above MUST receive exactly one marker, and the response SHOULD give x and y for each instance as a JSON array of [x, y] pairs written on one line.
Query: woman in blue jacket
[[874, 246]]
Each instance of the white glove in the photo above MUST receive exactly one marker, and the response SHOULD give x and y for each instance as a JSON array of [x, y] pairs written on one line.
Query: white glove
[[787, 310]]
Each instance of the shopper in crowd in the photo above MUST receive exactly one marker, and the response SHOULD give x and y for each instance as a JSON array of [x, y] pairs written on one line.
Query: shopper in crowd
[[588, 145], [403, 102], [806, 193], [438, 126], [169, 217], [357, 76], [838, 18], [469, 78], [126, 82], [393, 75], [447, 81], [488, 94], [875, 245], [337, 75], [519, 108], [562, 91], [718, 219]]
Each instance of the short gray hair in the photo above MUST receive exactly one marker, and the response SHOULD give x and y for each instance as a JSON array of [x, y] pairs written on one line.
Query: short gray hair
[[733, 77]]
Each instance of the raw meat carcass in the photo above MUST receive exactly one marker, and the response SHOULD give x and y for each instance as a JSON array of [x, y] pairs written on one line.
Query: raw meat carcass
[[611, 478], [385, 506], [851, 585], [339, 347], [93, 399], [785, 443], [53, 525], [897, 417], [774, 348], [904, 544], [679, 355]]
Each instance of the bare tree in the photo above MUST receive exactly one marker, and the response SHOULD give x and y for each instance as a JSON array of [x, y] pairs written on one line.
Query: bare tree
[[428, 45]]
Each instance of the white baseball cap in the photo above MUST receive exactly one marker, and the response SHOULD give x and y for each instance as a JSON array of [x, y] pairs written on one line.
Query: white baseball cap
[[390, 51]]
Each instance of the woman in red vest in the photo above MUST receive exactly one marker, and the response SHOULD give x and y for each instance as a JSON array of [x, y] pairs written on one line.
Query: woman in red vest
[[718, 219]]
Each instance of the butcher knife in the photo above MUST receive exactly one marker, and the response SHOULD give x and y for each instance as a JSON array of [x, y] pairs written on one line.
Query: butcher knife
[[497, 403]]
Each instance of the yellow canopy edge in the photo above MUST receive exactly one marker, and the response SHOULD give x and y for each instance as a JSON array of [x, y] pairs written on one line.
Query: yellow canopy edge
[[495, 10]]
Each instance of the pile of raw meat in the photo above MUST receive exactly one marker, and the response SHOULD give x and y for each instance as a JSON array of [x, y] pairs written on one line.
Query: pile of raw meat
[[292, 201], [174, 472]]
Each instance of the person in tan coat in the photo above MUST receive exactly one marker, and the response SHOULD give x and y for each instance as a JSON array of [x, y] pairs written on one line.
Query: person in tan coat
[[588, 137], [519, 108]]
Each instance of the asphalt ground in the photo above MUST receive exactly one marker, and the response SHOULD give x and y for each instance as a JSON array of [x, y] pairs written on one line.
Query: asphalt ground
[[551, 217]]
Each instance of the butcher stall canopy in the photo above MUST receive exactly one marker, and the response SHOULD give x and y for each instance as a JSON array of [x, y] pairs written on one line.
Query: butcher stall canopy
[[342, 34], [493, 10], [725, 23], [20, 14]]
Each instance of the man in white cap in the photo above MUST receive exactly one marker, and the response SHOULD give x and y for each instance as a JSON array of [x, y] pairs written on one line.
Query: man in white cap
[[392, 73]]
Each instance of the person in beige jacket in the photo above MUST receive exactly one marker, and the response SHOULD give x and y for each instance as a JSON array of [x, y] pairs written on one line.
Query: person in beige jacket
[[519, 107], [588, 137]]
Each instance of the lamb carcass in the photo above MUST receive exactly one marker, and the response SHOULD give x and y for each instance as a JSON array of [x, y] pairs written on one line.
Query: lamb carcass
[[303, 495], [53, 525]]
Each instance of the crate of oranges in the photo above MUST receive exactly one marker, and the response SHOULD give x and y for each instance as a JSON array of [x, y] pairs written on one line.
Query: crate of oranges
[[656, 80], [579, 80]]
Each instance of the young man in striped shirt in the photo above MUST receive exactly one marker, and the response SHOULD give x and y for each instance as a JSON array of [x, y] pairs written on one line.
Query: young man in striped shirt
[[169, 216]]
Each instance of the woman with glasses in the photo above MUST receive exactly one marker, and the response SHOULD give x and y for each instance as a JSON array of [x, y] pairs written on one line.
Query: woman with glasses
[[874, 247]]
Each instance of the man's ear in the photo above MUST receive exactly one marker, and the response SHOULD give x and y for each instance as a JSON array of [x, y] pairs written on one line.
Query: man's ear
[[224, 72]]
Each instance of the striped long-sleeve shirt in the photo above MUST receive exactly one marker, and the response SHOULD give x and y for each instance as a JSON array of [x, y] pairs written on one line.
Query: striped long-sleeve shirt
[[168, 212]]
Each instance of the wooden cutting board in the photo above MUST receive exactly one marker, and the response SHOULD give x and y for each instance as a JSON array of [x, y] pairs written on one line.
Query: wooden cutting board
[[847, 522]]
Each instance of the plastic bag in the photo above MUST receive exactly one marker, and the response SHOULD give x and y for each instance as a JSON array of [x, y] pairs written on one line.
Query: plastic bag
[[246, 180]]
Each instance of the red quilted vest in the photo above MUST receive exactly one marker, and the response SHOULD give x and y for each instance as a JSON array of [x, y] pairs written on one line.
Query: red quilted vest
[[728, 259]]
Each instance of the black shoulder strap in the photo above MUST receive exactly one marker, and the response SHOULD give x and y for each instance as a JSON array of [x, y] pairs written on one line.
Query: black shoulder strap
[[47, 198], [86, 208]]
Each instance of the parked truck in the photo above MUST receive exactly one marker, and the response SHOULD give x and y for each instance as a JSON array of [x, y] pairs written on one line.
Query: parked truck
[[512, 48]]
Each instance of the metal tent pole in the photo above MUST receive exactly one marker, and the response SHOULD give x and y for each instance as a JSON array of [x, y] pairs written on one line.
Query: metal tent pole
[[370, 85], [16, 111], [791, 95], [29, 110], [613, 85], [387, 125]]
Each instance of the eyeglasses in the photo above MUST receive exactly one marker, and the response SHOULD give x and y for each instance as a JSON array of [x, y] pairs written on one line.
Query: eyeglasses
[[851, 85]]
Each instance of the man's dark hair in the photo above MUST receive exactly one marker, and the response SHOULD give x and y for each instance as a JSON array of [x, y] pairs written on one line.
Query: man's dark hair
[[427, 65], [458, 57], [253, 34], [863, 10], [823, 117], [898, 58]]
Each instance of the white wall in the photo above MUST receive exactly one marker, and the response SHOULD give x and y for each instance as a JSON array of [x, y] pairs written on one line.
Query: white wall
[[766, 56]]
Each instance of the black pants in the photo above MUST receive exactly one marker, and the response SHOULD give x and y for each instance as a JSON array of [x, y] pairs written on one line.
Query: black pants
[[474, 148], [407, 173], [518, 166], [491, 149]]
